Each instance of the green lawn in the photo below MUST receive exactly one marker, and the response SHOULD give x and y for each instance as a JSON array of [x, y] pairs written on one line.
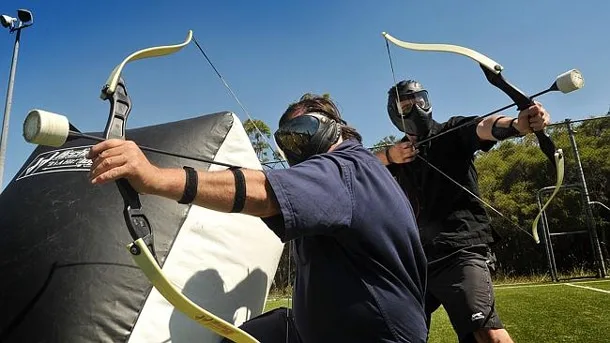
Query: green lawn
[[553, 312], [599, 285]]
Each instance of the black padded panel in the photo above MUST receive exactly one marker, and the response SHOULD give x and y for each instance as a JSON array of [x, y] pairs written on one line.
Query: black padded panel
[[67, 276]]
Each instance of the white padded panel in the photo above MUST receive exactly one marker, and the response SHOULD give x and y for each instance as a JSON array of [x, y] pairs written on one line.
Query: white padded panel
[[223, 262]]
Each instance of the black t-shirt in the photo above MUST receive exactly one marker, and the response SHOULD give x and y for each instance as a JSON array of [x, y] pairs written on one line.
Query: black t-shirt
[[448, 217], [361, 269]]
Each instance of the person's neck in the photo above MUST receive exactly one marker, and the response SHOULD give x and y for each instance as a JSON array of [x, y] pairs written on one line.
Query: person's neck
[[334, 146]]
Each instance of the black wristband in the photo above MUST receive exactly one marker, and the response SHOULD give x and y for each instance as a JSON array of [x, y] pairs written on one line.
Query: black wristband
[[190, 186], [387, 156], [240, 190]]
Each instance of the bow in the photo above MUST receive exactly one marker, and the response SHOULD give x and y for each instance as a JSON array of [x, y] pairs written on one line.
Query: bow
[[566, 82], [50, 129], [142, 248]]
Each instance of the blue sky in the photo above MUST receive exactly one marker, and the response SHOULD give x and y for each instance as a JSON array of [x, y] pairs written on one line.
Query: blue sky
[[271, 52]]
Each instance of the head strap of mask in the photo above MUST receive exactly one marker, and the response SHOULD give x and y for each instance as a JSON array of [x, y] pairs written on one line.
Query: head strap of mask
[[418, 121], [327, 134]]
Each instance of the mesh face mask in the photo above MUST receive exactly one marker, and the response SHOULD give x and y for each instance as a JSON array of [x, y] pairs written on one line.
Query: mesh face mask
[[409, 108], [410, 100]]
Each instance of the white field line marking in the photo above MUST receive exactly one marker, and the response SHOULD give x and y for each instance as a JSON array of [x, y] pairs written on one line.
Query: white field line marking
[[589, 288], [547, 284]]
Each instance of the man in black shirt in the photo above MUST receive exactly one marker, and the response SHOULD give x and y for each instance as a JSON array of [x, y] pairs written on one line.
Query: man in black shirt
[[454, 227]]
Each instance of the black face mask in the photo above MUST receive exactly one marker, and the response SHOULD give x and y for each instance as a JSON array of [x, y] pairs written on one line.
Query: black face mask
[[306, 135], [409, 109], [418, 123]]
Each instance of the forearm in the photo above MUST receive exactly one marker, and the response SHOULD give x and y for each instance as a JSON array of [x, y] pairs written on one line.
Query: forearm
[[383, 156], [216, 190], [485, 127]]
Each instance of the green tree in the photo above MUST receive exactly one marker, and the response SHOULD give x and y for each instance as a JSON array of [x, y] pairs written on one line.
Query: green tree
[[384, 143], [515, 171], [259, 133]]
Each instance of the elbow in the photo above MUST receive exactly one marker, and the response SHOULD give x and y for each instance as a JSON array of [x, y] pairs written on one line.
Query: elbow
[[272, 209], [271, 206], [263, 205], [262, 209], [483, 129], [268, 206]]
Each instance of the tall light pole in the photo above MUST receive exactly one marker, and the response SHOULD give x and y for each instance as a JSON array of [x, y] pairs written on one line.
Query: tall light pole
[[25, 19]]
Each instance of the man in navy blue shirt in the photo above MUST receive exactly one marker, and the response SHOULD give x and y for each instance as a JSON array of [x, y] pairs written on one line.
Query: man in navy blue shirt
[[441, 182], [361, 269]]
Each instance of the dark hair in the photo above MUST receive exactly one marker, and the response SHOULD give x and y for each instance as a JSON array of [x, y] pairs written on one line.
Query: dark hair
[[324, 105]]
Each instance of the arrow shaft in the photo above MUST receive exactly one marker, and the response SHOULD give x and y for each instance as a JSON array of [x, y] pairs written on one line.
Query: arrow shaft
[[74, 134], [478, 119]]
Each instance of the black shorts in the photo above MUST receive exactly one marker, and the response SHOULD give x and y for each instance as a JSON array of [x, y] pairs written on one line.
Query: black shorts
[[275, 326], [462, 283]]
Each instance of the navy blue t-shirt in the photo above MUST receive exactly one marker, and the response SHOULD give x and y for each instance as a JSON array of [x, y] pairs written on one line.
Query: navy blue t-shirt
[[361, 269]]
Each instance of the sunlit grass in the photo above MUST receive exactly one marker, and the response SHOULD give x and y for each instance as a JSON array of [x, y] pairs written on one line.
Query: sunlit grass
[[551, 312]]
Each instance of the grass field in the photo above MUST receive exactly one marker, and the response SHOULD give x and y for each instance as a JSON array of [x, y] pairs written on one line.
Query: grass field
[[546, 312]]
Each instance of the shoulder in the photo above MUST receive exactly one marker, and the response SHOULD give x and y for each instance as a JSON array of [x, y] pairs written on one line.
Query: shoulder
[[460, 127], [466, 133], [331, 168], [349, 153], [318, 168]]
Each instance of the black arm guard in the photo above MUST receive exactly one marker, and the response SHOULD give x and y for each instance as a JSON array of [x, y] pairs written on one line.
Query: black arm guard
[[240, 190], [502, 133]]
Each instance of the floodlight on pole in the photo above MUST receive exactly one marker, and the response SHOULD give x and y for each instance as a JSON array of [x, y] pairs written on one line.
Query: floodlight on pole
[[12, 24]]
